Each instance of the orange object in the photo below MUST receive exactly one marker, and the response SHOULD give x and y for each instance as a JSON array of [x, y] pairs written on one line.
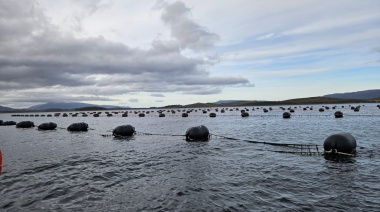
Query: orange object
[[1, 161]]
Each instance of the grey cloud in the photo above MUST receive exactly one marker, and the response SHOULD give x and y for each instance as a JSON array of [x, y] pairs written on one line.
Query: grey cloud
[[189, 34], [133, 100], [34, 54], [157, 95]]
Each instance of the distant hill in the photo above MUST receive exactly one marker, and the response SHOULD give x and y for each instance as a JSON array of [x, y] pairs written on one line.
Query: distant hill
[[367, 94], [68, 106], [300, 101], [227, 101], [5, 108]]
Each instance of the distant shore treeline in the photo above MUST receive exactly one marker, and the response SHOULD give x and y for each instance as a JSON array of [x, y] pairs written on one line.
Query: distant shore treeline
[[300, 101]]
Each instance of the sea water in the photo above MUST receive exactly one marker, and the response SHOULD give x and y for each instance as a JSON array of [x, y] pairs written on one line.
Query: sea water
[[89, 171]]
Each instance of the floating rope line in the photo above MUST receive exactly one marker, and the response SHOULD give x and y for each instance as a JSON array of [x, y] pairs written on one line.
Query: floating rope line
[[269, 143], [145, 133]]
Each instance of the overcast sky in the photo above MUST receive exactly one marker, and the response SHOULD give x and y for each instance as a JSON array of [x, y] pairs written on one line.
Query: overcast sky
[[155, 53]]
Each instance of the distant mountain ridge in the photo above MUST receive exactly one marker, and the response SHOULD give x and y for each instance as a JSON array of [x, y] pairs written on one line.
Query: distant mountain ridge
[[68, 106], [367, 94], [5, 108]]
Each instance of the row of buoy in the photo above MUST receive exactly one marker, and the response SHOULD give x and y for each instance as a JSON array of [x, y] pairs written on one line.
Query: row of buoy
[[125, 114], [336, 143], [28, 124]]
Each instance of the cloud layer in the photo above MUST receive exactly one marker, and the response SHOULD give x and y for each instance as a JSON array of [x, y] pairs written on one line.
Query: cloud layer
[[36, 55]]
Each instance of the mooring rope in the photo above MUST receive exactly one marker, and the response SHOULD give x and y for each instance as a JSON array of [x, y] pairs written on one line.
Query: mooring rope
[[269, 143]]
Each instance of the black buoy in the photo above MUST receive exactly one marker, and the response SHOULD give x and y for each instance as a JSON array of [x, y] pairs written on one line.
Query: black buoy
[[81, 126], [340, 142], [142, 115], [199, 133], [286, 115], [338, 114], [321, 109], [245, 114], [25, 124], [212, 115], [123, 130], [161, 115], [47, 126], [8, 123], [185, 114]]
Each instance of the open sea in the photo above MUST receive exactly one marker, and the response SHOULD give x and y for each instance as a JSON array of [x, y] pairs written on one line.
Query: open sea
[[86, 171]]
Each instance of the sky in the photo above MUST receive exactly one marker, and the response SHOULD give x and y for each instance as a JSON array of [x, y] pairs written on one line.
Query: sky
[[154, 53]]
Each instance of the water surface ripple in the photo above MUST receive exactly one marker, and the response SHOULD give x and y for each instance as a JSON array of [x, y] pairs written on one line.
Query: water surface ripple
[[63, 171]]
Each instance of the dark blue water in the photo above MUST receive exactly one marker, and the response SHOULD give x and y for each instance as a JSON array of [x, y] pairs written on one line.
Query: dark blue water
[[63, 171]]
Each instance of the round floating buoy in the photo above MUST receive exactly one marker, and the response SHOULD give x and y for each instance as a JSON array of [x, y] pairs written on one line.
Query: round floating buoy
[[185, 114], [124, 115], [291, 110], [340, 142], [245, 114], [222, 111], [357, 109], [8, 123], [81, 126], [123, 130], [161, 115], [321, 109], [47, 126], [338, 114], [265, 110], [96, 115], [286, 115], [199, 133], [141, 114], [25, 124], [212, 115]]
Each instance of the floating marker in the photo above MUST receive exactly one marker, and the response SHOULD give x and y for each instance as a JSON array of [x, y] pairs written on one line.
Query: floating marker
[[47, 126], [338, 114], [286, 115], [77, 127], [123, 130], [25, 124], [199, 133], [340, 142]]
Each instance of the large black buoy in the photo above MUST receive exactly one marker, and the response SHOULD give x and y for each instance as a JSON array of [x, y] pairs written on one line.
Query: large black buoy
[[25, 124], [47, 126], [161, 115], [286, 115], [199, 133], [81, 126], [340, 142], [245, 114], [123, 130], [338, 114], [185, 114], [141, 114], [212, 115]]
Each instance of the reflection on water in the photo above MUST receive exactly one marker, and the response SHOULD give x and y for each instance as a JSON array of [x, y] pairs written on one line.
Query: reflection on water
[[59, 170]]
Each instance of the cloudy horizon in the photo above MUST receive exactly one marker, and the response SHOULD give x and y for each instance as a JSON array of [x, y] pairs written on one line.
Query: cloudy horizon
[[156, 53]]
